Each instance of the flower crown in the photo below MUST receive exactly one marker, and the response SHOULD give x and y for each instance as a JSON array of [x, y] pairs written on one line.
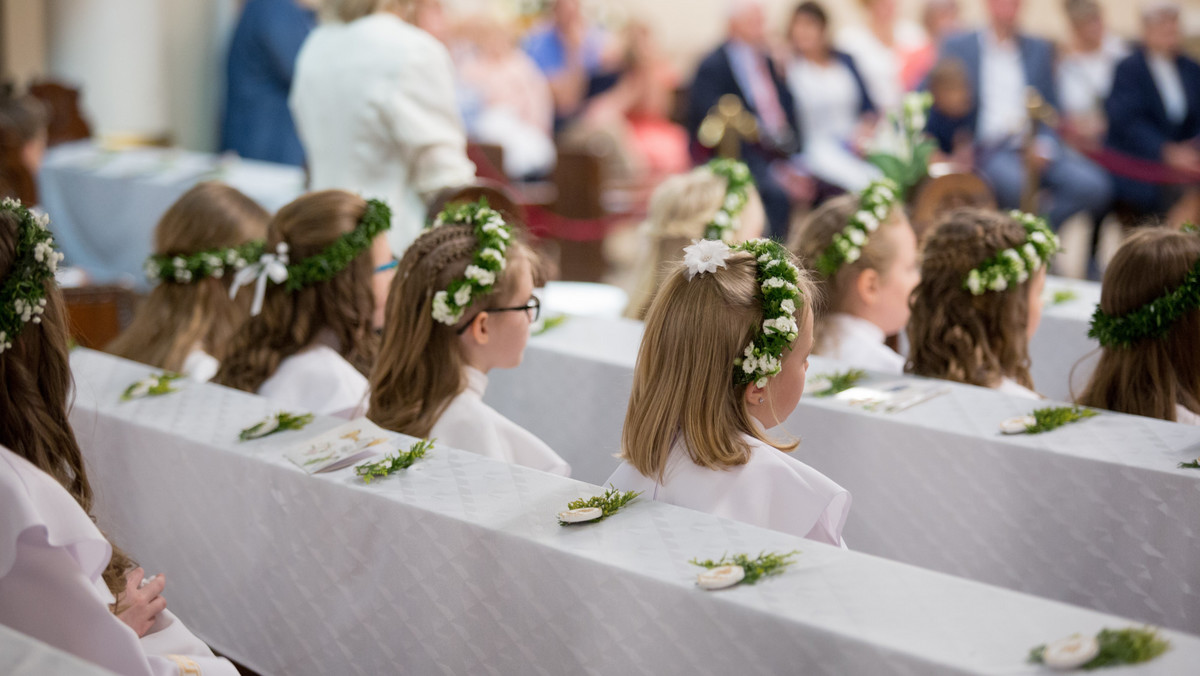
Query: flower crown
[[194, 267], [1014, 266], [321, 267], [738, 182], [777, 278], [23, 293], [486, 264], [874, 204], [1152, 320]]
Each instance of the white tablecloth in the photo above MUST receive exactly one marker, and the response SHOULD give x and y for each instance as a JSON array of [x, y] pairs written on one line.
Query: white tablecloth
[[1061, 341], [104, 205], [22, 655], [1096, 513], [458, 566]]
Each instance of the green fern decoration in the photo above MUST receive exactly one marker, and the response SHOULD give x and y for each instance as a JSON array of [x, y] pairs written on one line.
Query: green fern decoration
[[1195, 464], [609, 503], [1052, 418], [765, 564], [1118, 647], [394, 463], [840, 382]]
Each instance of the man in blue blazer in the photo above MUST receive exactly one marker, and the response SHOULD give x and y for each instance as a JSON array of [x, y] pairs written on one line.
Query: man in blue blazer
[[741, 66], [1154, 110], [1000, 64]]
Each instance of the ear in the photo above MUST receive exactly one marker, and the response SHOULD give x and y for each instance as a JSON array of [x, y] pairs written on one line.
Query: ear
[[480, 331], [867, 285], [754, 395]]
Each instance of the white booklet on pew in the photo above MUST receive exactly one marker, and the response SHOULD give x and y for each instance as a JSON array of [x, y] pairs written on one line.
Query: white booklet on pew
[[343, 445], [893, 396]]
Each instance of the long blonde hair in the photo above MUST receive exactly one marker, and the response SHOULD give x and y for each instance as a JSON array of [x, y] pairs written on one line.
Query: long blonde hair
[[680, 208], [293, 320], [953, 334], [420, 367], [1154, 375], [684, 379], [815, 235], [177, 318]]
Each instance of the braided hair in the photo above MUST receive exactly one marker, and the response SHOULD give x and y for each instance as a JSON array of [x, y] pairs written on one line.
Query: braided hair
[[957, 336]]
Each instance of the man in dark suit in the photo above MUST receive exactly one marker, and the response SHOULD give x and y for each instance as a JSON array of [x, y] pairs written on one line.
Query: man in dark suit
[[1000, 64], [1154, 109], [741, 66]]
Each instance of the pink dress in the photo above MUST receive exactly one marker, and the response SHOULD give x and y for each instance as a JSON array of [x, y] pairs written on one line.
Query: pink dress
[[52, 558]]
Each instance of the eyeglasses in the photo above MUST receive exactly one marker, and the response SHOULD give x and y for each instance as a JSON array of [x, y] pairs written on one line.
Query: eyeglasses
[[533, 309], [390, 265]]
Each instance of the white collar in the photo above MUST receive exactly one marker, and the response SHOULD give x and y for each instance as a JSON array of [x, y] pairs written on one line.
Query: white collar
[[476, 380], [992, 42], [866, 328]]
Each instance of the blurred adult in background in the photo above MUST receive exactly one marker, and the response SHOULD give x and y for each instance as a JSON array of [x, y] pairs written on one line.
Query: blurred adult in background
[[1154, 113], [258, 76], [837, 117], [22, 145], [742, 66], [880, 45], [1085, 72], [941, 20], [375, 107], [1001, 64], [579, 59]]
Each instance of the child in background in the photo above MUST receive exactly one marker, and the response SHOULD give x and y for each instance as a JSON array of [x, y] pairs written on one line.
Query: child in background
[[864, 254], [723, 359], [716, 201], [462, 304], [186, 323], [1148, 325], [318, 297], [980, 299]]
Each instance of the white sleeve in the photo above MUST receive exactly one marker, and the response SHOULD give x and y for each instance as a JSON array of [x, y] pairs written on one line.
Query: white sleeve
[[45, 595], [422, 115]]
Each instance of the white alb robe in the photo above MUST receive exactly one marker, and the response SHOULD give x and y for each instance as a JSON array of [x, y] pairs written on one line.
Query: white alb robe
[[471, 425], [200, 366], [1010, 386], [858, 342], [52, 559], [772, 489], [316, 380], [1186, 416]]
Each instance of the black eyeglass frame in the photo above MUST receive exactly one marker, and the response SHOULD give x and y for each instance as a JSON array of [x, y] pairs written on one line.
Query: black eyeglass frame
[[533, 303]]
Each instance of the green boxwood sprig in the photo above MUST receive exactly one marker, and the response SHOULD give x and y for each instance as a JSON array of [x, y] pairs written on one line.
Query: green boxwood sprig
[[840, 382], [394, 463], [283, 421], [336, 257], [1052, 418], [875, 203], [609, 503], [1153, 320], [1119, 646], [765, 564]]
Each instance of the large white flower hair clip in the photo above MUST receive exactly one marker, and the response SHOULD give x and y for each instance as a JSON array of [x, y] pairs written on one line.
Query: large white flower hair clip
[[705, 256]]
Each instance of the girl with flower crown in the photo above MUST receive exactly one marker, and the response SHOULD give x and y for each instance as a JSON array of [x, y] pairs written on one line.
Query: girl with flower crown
[[61, 581], [980, 299], [864, 254], [723, 359], [1148, 325], [200, 243], [318, 298], [715, 201], [461, 305]]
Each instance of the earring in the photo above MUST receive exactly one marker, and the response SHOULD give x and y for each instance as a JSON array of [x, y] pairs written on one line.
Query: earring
[[760, 399]]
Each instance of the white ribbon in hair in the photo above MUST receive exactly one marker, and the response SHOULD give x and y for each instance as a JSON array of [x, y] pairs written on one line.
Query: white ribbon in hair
[[269, 266]]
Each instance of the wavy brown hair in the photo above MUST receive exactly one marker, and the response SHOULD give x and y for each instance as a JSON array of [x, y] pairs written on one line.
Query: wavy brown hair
[[684, 379], [957, 336], [420, 367], [815, 235], [293, 320], [1154, 375], [177, 318], [34, 400]]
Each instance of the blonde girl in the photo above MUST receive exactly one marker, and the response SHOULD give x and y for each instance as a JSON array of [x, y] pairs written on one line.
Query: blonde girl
[[188, 319], [318, 297], [1148, 325], [864, 255], [723, 359], [980, 299], [461, 305], [61, 580], [716, 201]]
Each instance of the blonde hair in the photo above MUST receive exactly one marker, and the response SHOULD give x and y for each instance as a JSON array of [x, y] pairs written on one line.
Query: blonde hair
[[680, 209], [684, 379], [420, 368], [177, 318], [815, 235], [293, 320], [1153, 376], [953, 334], [351, 10]]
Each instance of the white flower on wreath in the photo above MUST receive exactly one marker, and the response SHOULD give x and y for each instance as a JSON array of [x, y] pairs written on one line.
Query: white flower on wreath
[[42, 219], [853, 254], [493, 255], [732, 202], [1031, 254], [705, 256], [179, 263], [856, 236], [785, 325], [721, 218], [483, 276], [442, 312], [974, 283], [788, 306], [779, 283], [998, 283], [869, 220], [462, 297], [1038, 236], [151, 270]]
